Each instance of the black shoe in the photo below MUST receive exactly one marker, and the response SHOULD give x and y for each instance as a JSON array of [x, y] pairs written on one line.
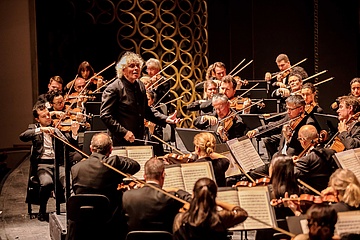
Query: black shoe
[[43, 217]]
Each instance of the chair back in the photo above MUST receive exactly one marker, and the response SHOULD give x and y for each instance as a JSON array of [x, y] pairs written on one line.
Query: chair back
[[94, 208], [149, 235]]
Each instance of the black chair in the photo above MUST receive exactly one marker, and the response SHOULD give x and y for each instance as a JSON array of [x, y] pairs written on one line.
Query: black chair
[[87, 215], [149, 235]]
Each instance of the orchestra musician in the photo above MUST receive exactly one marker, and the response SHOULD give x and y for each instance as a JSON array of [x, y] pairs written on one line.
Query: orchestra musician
[[205, 151], [124, 104], [55, 84], [148, 209], [354, 91], [203, 220], [43, 154], [310, 95], [349, 126], [204, 105], [317, 164], [295, 84], [228, 87], [91, 176], [224, 121], [86, 71]]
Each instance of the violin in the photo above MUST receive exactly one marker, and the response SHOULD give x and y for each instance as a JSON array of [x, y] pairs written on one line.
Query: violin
[[305, 199], [240, 82], [173, 158], [65, 125]]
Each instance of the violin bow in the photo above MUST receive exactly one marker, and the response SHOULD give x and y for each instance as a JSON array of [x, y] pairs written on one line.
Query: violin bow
[[309, 187], [315, 75], [155, 105], [175, 149], [95, 75], [67, 143], [236, 66], [72, 84], [249, 90], [107, 83], [289, 68], [242, 68], [173, 100], [161, 72], [321, 82], [244, 108]]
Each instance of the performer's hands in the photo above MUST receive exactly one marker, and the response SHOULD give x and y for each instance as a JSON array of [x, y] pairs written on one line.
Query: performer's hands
[[172, 119], [247, 103], [129, 136], [251, 133], [267, 76], [75, 128], [47, 130], [342, 126], [212, 120]]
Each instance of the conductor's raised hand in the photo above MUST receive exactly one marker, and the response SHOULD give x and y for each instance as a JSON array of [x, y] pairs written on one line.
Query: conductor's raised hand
[[172, 119]]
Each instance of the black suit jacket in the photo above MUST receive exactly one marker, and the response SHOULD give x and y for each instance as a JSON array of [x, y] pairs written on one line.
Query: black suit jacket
[[124, 107], [149, 209]]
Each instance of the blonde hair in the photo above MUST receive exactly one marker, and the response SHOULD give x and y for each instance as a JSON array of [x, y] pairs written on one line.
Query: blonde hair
[[347, 185], [126, 60], [205, 141]]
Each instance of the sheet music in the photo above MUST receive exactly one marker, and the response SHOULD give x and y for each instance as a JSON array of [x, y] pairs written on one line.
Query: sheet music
[[141, 154], [245, 154], [257, 204], [348, 222], [174, 177], [233, 169], [193, 171], [349, 160], [230, 196], [119, 152]]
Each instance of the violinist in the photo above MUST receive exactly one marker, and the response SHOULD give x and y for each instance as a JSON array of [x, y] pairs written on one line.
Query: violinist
[[210, 75], [317, 164], [124, 104], [205, 150], [310, 95], [153, 67], [86, 71], [55, 84], [148, 209], [231, 127], [43, 154], [228, 87], [354, 91], [205, 105], [93, 177], [349, 126]]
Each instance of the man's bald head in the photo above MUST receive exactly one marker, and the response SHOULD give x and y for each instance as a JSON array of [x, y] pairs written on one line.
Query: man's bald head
[[309, 132]]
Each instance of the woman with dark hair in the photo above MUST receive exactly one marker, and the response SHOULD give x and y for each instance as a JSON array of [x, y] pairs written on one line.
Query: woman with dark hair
[[310, 95], [203, 220], [321, 222]]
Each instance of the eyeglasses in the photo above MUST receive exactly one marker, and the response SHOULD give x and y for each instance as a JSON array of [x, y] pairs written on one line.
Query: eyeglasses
[[292, 109]]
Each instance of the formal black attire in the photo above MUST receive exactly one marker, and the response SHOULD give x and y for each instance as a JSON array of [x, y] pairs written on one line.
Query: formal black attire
[[236, 130], [42, 169], [316, 167], [220, 166], [204, 106], [124, 107], [351, 138], [148, 209], [93, 177]]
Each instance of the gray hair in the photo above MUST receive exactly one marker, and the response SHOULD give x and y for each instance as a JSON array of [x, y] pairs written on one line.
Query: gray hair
[[101, 143], [126, 59], [220, 98], [298, 100], [154, 62]]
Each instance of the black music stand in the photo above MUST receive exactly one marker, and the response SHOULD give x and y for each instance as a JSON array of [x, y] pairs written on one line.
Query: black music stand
[[327, 122], [187, 137]]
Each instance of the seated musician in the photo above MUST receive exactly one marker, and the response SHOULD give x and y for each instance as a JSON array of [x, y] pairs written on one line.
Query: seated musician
[[148, 209], [225, 121], [205, 150], [228, 87], [354, 91], [203, 219], [317, 163], [93, 177], [310, 95], [349, 126], [158, 85], [43, 154], [55, 84], [294, 119], [86, 71], [205, 105], [295, 85]]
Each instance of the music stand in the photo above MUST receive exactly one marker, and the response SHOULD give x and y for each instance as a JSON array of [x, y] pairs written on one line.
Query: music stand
[[294, 223], [87, 140], [327, 122], [187, 137]]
